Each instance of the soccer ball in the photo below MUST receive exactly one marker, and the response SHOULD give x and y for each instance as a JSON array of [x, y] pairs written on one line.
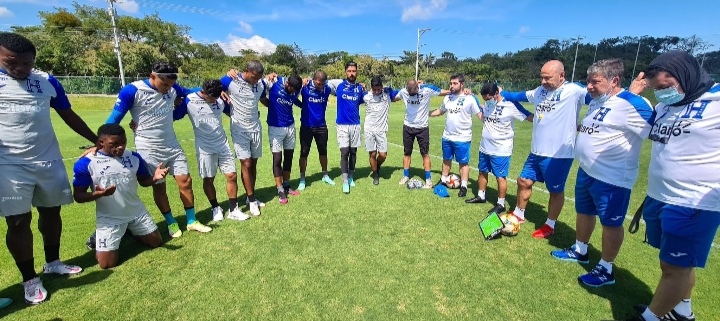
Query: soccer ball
[[453, 181], [512, 225], [415, 183]]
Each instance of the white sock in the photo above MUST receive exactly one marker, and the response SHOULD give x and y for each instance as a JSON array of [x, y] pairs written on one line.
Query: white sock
[[649, 316], [607, 265], [463, 184], [501, 201], [581, 247], [519, 212], [444, 178], [481, 194], [550, 223], [683, 308]]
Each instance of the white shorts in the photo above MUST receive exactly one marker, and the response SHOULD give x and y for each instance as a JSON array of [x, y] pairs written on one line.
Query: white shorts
[[38, 184], [208, 163], [247, 144], [281, 138], [348, 136], [108, 237], [376, 141], [174, 159]]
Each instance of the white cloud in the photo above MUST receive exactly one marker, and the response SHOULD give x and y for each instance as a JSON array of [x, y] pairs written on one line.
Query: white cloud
[[245, 27], [6, 13], [234, 44], [129, 6], [524, 29], [422, 10]]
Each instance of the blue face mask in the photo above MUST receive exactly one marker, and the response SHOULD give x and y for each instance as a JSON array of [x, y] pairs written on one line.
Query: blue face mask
[[491, 103], [669, 96]]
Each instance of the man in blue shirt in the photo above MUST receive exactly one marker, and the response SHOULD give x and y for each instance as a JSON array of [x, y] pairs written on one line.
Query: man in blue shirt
[[312, 124]]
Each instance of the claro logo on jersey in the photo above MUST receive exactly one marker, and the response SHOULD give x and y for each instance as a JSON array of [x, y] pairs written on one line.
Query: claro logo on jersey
[[283, 101], [349, 97], [592, 129], [318, 100]]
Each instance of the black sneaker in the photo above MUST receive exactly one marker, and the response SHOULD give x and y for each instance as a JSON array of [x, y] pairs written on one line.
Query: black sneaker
[[376, 178], [475, 200], [672, 315], [462, 192], [90, 243], [497, 209]]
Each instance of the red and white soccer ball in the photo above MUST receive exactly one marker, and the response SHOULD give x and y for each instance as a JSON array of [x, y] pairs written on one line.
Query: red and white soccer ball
[[453, 181]]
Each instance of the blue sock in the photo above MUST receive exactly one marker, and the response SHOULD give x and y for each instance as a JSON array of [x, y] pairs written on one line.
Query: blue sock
[[406, 172], [428, 175], [169, 219], [190, 215]]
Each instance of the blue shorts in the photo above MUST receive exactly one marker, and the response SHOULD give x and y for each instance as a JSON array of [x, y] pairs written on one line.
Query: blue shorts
[[459, 150], [551, 171], [497, 165], [684, 235], [607, 201]]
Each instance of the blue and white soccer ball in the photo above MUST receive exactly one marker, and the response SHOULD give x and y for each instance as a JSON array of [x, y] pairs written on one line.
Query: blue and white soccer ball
[[415, 183]]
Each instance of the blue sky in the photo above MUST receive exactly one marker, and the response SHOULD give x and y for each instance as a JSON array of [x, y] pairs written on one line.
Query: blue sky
[[387, 27]]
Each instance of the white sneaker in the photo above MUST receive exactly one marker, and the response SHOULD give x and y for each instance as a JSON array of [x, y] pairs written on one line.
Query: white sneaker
[[254, 209], [428, 184], [217, 214], [35, 292], [404, 180], [61, 268], [238, 215], [260, 204]]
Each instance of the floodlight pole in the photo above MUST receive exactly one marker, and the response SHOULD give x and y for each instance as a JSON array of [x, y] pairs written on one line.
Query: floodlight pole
[[595, 55], [637, 53], [577, 45], [417, 51], [111, 11]]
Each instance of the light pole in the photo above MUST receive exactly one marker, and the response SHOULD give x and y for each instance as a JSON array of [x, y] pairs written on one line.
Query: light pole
[[417, 50], [577, 45], [111, 11], [595, 55], [637, 53]]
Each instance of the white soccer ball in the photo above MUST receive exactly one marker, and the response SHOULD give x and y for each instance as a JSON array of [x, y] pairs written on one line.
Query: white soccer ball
[[453, 181], [512, 225]]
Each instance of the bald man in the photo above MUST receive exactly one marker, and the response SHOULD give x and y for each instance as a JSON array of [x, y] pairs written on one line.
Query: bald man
[[557, 105]]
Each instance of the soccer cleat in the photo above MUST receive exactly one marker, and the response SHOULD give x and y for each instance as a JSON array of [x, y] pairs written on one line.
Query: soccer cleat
[[521, 220], [61, 268], [376, 179], [428, 184], [328, 180], [346, 188], [5, 302], [217, 214], [174, 230], [543, 232], [199, 227], [237, 215], [351, 181], [462, 192], [282, 198], [90, 243], [404, 180], [671, 316], [570, 254], [499, 209], [301, 185], [597, 277], [35, 292], [475, 200], [254, 209]]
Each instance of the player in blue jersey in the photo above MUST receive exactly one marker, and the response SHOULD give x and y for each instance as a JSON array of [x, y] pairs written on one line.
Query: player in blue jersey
[[110, 177], [349, 98], [33, 174], [312, 124], [281, 131], [151, 103]]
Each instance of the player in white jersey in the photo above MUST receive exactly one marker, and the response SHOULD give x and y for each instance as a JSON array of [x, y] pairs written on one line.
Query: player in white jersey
[[557, 104], [205, 109], [32, 169], [496, 145], [457, 135], [151, 103], [377, 106], [608, 149], [110, 177], [681, 209], [415, 125], [246, 90]]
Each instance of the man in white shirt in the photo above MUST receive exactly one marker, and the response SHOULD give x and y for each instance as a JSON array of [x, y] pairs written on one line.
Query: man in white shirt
[[608, 149], [457, 135]]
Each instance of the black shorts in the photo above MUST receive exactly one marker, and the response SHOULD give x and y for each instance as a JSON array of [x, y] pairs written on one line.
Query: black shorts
[[423, 139], [307, 134]]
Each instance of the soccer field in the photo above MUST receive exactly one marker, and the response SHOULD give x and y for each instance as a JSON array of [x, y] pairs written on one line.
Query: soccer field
[[380, 253]]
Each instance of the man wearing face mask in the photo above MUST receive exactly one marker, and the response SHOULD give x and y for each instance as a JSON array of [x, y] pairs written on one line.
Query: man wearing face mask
[[496, 145], [608, 149], [681, 208]]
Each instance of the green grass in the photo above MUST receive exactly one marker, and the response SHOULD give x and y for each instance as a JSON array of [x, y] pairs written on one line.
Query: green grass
[[380, 253]]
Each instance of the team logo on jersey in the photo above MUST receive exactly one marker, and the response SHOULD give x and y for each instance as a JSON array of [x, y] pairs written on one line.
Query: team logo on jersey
[[601, 113], [2, 85], [461, 101], [33, 85], [126, 161]]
